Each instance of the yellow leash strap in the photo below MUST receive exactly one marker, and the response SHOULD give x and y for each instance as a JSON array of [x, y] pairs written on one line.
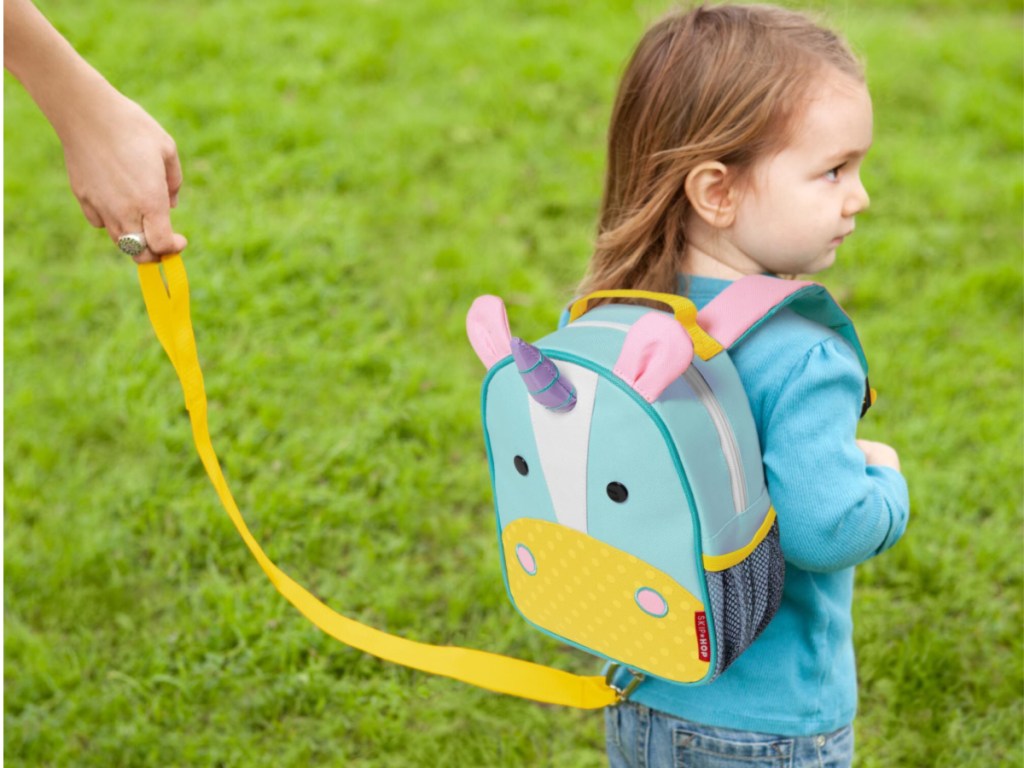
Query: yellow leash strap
[[167, 302]]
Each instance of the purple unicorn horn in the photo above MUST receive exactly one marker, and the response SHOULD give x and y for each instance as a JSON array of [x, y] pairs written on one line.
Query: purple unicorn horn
[[542, 378]]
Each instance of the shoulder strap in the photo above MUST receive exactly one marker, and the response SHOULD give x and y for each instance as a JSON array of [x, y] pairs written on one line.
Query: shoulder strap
[[168, 307], [751, 300]]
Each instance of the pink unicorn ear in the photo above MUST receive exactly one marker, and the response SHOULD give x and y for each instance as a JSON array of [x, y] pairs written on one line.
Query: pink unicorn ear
[[488, 331], [657, 351]]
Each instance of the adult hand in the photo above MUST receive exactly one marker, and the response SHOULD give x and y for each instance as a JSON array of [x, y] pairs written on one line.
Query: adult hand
[[122, 165], [124, 170]]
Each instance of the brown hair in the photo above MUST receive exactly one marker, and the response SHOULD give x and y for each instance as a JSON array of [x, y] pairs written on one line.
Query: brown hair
[[714, 83]]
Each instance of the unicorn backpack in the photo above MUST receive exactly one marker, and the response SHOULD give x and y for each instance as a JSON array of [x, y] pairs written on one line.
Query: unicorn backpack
[[633, 517]]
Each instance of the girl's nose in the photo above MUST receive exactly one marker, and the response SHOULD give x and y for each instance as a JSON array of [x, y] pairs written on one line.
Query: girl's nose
[[857, 200]]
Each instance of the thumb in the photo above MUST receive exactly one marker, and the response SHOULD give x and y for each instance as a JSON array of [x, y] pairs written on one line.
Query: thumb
[[161, 239]]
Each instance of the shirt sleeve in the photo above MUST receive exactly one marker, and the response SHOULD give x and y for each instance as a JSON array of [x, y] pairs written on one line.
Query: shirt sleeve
[[834, 510]]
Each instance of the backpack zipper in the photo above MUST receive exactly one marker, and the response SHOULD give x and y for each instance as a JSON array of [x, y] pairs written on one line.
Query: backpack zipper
[[730, 448]]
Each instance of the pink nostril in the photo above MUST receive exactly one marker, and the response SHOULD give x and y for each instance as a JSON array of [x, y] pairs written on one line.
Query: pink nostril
[[651, 602], [525, 557]]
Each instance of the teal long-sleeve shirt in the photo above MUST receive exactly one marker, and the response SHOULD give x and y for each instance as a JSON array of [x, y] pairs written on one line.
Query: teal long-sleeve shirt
[[806, 389]]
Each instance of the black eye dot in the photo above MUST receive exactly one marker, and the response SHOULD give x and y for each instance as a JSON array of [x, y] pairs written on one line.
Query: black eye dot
[[521, 466], [617, 492]]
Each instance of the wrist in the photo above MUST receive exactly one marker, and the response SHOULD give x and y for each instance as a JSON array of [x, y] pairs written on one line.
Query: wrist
[[85, 100]]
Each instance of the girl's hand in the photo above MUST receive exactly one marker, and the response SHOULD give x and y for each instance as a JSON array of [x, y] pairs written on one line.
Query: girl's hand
[[879, 454]]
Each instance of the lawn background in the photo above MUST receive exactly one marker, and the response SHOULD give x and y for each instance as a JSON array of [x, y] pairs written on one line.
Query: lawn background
[[355, 174]]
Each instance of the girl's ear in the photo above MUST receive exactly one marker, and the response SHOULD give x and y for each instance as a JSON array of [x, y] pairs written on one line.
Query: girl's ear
[[709, 188]]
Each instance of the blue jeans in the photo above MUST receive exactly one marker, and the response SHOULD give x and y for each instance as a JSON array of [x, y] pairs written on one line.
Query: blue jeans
[[639, 737]]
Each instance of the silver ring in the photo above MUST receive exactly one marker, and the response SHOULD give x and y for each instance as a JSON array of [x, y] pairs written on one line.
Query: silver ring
[[133, 243]]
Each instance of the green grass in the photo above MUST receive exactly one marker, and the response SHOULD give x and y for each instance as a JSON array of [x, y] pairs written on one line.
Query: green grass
[[356, 173]]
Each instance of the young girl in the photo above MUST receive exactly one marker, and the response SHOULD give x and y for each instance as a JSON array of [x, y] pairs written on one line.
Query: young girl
[[735, 148]]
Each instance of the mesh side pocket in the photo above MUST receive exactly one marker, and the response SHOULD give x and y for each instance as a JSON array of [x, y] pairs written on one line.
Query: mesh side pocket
[[744, 598]]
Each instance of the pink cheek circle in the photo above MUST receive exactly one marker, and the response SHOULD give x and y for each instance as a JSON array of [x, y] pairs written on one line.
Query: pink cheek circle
[[526, 560], [651, 602]]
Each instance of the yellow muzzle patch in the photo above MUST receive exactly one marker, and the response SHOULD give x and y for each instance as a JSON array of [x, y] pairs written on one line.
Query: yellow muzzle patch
[[605, 599]]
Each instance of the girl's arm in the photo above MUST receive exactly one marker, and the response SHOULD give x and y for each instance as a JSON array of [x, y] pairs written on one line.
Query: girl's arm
[[839, 501], [122, 165]]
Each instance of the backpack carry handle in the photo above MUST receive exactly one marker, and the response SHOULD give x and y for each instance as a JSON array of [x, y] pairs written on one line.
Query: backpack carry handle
[[684, 310]]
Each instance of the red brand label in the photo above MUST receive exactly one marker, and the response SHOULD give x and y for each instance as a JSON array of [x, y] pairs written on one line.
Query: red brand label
[[703, 643]]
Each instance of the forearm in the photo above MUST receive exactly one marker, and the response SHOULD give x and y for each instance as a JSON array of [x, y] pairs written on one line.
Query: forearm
[[64, 86], [836, 527]]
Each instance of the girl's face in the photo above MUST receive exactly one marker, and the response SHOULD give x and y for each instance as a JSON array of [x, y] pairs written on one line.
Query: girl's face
[[800, 204]]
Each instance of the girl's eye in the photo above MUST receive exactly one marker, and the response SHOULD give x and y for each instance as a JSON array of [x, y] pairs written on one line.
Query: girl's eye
[[833, 174]]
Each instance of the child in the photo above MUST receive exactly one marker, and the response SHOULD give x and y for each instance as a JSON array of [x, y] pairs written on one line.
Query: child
[[735, 148]]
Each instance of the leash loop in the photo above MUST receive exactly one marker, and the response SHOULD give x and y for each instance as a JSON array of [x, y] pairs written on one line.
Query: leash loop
[[167, 303]]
